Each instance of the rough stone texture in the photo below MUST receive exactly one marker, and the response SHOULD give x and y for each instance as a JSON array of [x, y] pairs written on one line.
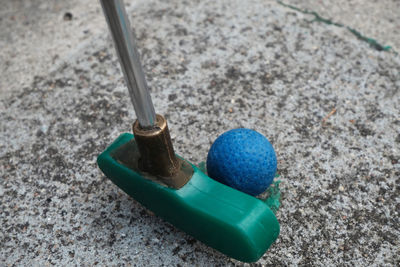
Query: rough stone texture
[[212, 66], [376, 19], [37, 36]]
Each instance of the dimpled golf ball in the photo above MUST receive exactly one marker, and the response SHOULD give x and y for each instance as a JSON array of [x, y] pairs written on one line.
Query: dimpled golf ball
[[243, 159]]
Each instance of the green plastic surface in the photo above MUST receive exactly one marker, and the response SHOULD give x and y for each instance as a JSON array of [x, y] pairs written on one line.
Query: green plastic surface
[[234, 223]]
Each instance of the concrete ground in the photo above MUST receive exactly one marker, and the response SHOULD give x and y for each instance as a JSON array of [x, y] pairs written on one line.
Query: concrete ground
[[327, 101]]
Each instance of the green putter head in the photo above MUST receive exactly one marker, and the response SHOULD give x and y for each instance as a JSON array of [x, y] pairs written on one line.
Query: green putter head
[[234, 223]]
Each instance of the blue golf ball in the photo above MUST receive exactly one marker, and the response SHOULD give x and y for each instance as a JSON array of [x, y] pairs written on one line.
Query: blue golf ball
[[243, 159]]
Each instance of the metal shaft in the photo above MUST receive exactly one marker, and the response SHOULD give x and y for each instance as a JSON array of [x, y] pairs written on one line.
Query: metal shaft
[[129, 59]]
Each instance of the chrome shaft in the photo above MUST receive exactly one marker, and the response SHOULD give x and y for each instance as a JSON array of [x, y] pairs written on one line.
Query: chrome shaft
[[117, 19]]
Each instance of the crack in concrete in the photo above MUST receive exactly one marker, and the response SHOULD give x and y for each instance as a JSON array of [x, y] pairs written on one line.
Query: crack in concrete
[[372, 42]]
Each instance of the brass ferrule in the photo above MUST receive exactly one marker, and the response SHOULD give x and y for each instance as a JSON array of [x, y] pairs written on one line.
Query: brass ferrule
[[157, 155]]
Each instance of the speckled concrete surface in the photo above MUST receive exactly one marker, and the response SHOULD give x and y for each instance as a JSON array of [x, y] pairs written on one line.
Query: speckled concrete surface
[[376, 19], [37, 36], [328, 103]]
